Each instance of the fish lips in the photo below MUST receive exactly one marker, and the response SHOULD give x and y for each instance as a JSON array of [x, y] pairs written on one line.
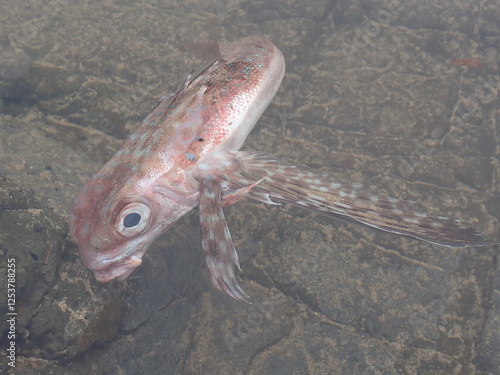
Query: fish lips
[[119, 268]]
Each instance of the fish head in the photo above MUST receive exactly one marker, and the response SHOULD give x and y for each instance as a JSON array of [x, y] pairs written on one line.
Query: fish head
[[113, 226]]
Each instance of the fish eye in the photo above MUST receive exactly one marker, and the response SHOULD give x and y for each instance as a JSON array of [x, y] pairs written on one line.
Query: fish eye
[[133, 219]]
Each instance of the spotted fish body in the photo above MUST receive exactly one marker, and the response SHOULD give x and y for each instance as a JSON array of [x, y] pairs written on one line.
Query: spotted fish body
[[185, 154]]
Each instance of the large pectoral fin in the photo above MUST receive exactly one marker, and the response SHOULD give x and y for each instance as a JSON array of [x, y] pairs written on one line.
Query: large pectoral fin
[[326, 193], [217, 244]]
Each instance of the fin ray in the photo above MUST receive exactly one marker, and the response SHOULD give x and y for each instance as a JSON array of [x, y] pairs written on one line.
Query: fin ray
[[220, 253], [326, 193]]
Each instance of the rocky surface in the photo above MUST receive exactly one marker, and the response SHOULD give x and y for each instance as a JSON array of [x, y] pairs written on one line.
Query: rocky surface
[[371, 93]]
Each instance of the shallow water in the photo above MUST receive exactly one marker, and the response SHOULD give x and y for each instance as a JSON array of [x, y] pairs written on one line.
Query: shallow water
[[370, 93]]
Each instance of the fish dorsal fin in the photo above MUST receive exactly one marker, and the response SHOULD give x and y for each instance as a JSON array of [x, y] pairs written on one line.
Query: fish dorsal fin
[[209, 50]]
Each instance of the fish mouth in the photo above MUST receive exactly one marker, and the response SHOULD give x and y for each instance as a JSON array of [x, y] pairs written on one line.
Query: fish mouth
[[119, 270]]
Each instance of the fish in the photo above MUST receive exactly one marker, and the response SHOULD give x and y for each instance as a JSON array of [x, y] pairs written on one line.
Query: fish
[[186, 154]]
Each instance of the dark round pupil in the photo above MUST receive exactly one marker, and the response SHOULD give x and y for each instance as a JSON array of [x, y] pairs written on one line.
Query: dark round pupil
[[131, 220]]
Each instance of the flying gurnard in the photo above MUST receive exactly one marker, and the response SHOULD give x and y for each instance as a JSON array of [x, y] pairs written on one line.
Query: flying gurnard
[[185, 154]]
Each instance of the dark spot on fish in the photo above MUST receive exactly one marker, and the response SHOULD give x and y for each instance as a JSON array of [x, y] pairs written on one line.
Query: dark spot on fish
[[200, 139]]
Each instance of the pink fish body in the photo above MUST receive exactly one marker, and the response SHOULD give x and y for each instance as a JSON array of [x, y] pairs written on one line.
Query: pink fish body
[[155, 177], [185, 154]]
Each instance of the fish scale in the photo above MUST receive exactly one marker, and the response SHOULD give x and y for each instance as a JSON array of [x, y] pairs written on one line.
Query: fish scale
[[185, 154]]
